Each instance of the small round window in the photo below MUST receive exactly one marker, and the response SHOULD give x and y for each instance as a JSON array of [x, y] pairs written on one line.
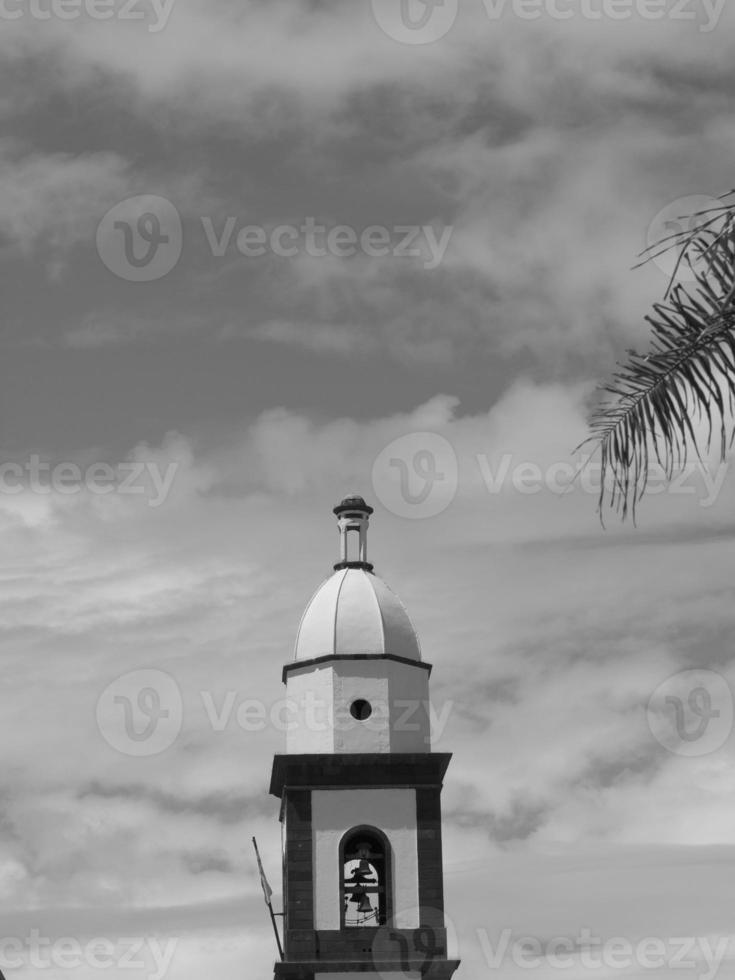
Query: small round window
[[361, 709]]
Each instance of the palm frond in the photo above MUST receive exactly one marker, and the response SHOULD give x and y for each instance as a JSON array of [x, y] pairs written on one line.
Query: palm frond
[[648, 411]]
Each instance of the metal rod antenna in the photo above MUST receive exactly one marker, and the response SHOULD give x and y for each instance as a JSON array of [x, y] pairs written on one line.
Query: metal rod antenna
[[267, 893]]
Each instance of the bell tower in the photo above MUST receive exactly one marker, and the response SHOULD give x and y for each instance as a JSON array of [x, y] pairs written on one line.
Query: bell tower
[[359, 785]]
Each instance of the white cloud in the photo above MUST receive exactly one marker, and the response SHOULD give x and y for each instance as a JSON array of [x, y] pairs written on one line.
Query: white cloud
[[51, 202], [554, 667]]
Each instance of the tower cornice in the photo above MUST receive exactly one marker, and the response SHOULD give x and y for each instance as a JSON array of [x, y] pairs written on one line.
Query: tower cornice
[[329, 657], [439, 969], [358, 770]]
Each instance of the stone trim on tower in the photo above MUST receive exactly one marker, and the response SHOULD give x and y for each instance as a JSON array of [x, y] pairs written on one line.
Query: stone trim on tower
[[322, 771], [327, 657]]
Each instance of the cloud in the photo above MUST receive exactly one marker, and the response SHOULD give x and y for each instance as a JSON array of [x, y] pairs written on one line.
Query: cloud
[[553, 680], [545, 150], [52, 202], [548, 149]]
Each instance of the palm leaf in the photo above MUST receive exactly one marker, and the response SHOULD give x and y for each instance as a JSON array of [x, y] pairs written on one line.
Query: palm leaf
[[648, 410]]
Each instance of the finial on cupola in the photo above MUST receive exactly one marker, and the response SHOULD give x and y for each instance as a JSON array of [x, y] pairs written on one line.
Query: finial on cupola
[[353, 514]]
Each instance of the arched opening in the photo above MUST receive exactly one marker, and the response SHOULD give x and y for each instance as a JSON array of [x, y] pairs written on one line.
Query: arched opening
[[365, 886]]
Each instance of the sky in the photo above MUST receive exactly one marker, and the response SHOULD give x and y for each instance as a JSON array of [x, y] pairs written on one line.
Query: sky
[[259, 255]]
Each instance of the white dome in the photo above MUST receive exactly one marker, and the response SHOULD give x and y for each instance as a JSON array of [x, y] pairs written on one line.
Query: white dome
[[352, 613]]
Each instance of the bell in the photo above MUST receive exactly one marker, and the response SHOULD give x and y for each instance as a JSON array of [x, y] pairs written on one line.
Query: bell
[[365, 867], [358, 894], [364, 905]]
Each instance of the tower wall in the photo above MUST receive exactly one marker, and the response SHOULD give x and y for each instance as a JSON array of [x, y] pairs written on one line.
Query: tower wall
[[321, 692], [323, 797], [393, 811]]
